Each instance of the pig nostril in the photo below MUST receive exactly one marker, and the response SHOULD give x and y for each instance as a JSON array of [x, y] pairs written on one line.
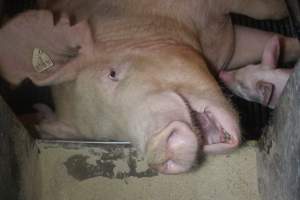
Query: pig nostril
[[225, 76]]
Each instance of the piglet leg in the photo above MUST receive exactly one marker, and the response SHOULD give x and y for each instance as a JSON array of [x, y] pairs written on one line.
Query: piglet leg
[[250, 44]]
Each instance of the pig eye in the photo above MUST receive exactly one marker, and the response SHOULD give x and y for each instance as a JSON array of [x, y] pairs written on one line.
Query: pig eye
[[113, 75]]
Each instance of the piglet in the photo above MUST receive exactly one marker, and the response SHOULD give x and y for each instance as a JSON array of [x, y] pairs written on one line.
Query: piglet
[[262, 83]]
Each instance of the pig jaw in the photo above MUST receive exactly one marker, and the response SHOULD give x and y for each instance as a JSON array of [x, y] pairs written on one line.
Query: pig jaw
[[216, 122], [220, 131]]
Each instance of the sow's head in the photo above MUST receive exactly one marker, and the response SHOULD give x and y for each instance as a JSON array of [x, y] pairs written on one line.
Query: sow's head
[[162, 98]]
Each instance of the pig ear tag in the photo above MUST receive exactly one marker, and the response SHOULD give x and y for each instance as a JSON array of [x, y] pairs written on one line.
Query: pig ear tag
[[40, 60]]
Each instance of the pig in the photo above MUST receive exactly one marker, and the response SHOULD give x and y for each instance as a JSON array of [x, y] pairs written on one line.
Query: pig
[[262, 83], [139, 70]]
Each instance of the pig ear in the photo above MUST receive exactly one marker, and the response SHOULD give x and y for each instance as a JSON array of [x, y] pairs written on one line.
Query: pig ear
[[271, 52], [33, 46], [265, 91]]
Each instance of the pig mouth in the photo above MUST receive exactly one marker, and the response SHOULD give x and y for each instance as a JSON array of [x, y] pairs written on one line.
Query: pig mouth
[[205, 129], [211, 129]]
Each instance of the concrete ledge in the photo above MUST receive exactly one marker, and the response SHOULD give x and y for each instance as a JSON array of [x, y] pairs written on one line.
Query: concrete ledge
[[80, 171]]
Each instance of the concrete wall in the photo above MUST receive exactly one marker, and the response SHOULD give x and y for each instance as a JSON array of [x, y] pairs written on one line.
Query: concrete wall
[[279, 155]]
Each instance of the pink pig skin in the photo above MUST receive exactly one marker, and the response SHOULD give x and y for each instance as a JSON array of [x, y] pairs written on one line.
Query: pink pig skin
[[262, 83], [139, 70]]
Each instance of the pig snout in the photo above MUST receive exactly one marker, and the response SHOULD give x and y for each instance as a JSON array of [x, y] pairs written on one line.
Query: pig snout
[[226, 77], [174, 149]]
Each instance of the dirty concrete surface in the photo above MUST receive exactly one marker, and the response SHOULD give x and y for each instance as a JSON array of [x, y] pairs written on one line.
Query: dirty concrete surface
[[76, 172]]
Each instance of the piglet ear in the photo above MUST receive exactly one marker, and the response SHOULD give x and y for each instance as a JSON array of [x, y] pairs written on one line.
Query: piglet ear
[[33, 46], [271, 52], [265, 91]]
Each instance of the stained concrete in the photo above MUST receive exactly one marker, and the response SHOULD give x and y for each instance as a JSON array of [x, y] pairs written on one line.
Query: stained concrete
[[103, 172], [279, 155]]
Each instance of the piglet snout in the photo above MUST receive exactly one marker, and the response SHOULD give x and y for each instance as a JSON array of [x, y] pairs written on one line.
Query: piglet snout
[[174, 149], [226, 77]]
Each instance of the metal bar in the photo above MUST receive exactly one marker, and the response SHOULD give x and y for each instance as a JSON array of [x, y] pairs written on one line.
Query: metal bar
[[84, 142]]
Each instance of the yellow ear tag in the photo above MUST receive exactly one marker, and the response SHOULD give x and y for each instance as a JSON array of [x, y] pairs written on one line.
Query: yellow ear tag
[[40, 60]]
